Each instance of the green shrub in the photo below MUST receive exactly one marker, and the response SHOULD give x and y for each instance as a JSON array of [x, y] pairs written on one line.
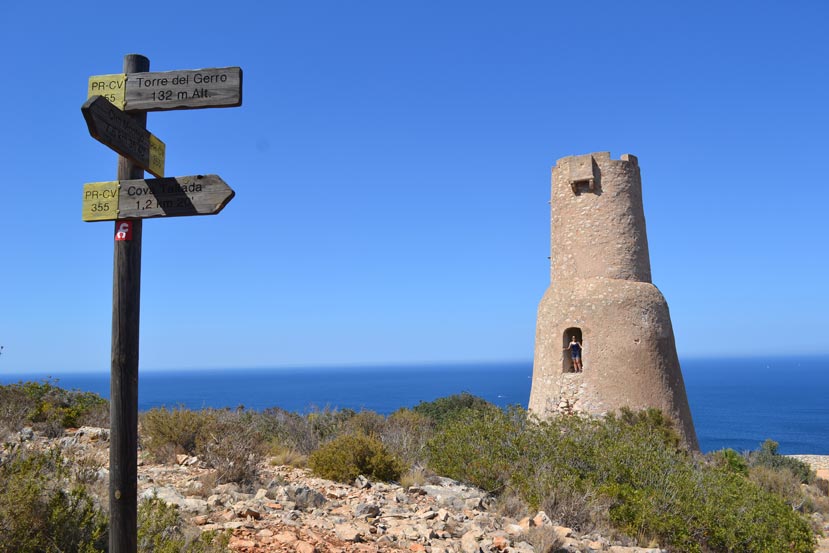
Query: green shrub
[[162, 530], [627, 470], [475, 446], [49, 408], [350, 455], [42, 511], [729, 460], [446, 408]]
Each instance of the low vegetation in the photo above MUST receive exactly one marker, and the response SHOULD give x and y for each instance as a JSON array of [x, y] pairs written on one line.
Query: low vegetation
[[348, 456], [41, 509], [626, 474], [48, 408], [162, 530]]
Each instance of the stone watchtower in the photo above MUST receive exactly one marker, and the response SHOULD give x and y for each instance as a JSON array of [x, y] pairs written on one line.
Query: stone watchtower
[[601, 293]]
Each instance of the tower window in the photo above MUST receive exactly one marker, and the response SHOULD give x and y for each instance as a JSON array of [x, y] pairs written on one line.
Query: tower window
[[582, 186], [569, 335]]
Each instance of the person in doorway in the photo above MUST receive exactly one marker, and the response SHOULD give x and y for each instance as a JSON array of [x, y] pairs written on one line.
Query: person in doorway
[[575, 354]]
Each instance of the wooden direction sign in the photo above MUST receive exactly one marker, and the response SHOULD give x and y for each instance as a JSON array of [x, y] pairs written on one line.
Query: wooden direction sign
[[148, 198], [215, 87], [114, 128]]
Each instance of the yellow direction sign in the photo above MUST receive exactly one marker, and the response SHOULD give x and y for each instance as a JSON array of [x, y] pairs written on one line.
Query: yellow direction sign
[[111, 87], [148, 198], [215, 87], [114, 128]]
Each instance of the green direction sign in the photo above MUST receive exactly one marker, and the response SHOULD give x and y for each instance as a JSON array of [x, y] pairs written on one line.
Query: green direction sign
[[112, 127], [148, 198], [217, 87]]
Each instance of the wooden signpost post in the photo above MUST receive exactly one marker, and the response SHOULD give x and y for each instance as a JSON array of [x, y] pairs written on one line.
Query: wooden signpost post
[[116, 114]]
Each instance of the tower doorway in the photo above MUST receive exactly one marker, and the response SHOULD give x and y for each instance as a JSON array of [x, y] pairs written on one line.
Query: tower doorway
[[566, 357]]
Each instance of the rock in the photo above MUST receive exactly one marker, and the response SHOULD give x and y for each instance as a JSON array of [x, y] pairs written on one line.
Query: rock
[[348, 532], [306, 499], [238, 543], [93, 433], [469, 541], [626, 549], [562, 532], [261, 493], [541, 519], [500, 542], [366, 510], [229, 488], [67, 441], [427, 514], [172, 496], [250, 513], [304, 547], [199, 520], [594, 546], [513, 529], [335, 493], [362, 482], [285, 537]]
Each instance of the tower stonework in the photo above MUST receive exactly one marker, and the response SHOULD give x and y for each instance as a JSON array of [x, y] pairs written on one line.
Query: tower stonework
[[601, 292]]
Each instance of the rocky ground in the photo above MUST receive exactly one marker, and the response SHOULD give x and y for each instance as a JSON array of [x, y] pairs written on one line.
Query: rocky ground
[[294, 511]]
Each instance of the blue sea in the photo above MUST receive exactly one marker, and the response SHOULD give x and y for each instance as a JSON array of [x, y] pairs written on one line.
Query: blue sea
[[736, 403]]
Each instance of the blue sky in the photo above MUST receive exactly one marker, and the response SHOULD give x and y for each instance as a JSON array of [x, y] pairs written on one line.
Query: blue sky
[[391, 162]]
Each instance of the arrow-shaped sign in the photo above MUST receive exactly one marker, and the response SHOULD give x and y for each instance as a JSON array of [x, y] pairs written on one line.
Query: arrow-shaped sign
[[112, 127], [147, 198], [214, 87]]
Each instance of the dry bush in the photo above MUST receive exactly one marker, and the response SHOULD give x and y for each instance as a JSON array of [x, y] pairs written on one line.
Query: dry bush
[[406, 433], [232, 445], [822, 485], [282, 456], [780, 481], [416, 476], [509, 504], [303, 434], [544, 539], [167, 432], [582, 510], [365, 422]]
